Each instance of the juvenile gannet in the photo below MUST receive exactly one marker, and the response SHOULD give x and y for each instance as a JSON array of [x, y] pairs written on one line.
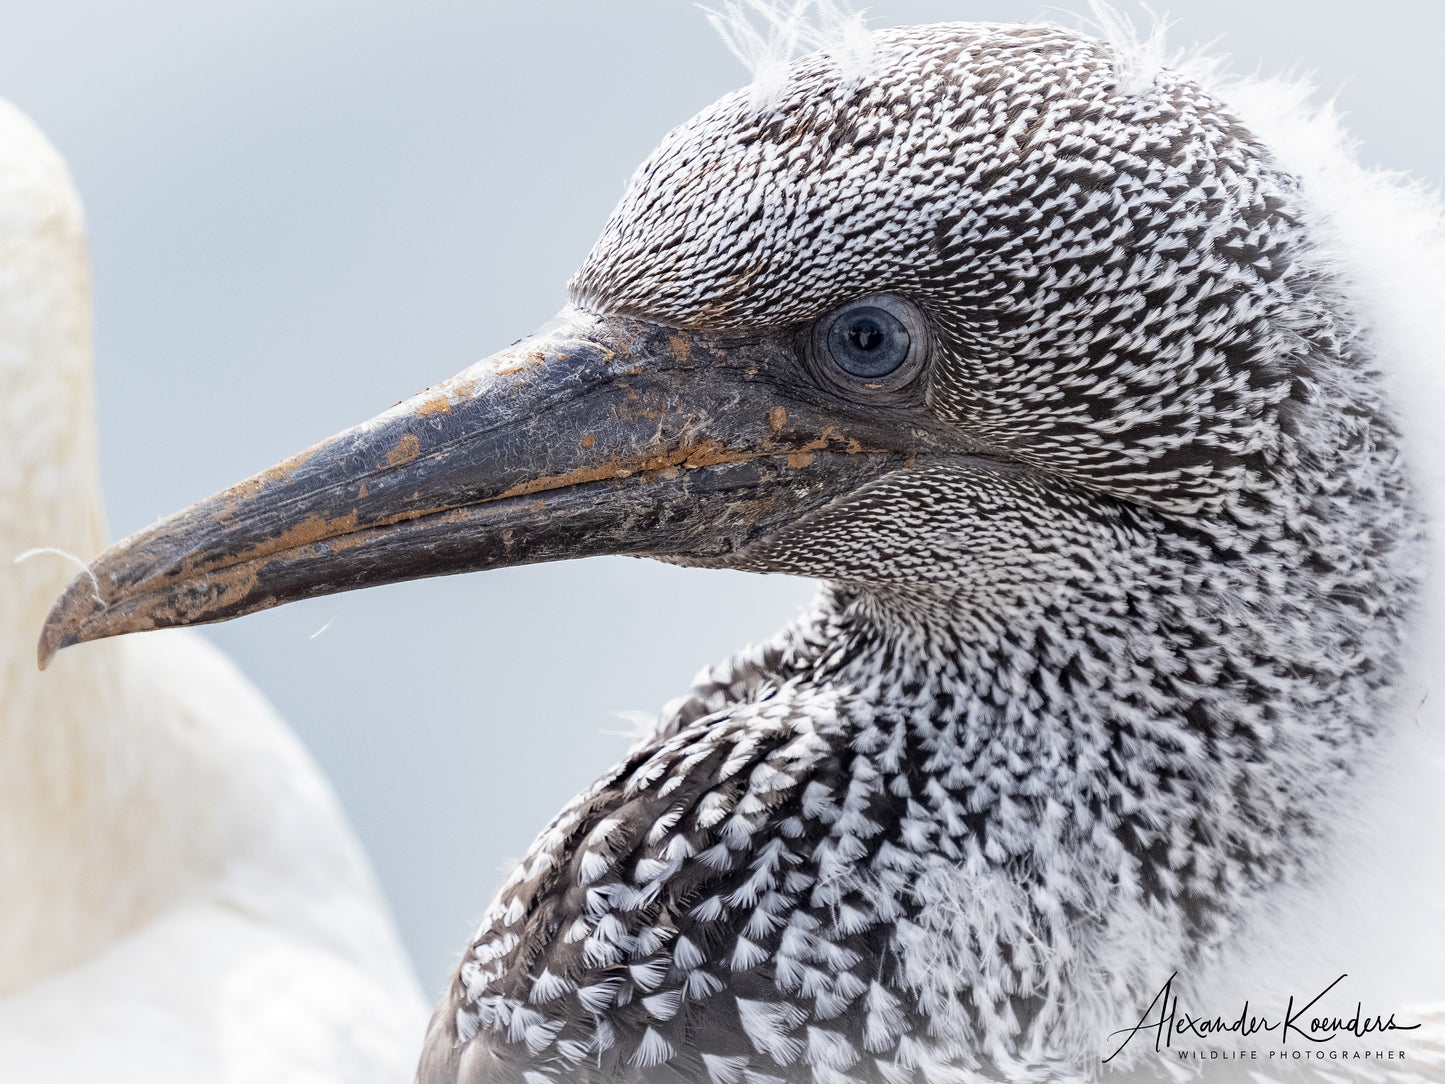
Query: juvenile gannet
[[1071, 388]]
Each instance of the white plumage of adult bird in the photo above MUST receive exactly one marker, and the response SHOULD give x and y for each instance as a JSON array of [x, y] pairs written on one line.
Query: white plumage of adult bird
[[1061, 366], [181, 898]]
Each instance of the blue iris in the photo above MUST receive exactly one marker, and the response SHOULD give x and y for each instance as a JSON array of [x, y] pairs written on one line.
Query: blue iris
[[868, 342]]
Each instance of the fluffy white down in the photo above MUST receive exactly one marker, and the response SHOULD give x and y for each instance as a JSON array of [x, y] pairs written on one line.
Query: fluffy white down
[[181, 898], [1383, 913], [1377, 913]]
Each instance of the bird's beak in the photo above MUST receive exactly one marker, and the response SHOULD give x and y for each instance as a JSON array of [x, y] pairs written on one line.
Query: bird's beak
[[593, 436]]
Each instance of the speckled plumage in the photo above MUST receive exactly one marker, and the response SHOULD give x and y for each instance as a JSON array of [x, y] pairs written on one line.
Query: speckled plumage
[[1073, 704]]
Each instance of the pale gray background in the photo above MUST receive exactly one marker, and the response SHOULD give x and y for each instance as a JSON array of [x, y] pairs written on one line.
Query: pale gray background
[[304, 210]]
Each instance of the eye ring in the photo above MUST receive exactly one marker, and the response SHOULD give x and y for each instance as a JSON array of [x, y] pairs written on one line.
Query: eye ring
[[869, 349]]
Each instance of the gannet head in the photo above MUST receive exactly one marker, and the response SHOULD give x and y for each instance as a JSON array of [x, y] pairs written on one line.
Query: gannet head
[[972, 316], [1021, 351]]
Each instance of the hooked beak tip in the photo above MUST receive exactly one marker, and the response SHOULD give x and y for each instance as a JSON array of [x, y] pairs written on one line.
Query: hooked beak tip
[[67, 618], [48, 646], [52, 639]]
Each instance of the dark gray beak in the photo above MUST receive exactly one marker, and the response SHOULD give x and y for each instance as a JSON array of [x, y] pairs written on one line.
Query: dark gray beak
[[594, 436]]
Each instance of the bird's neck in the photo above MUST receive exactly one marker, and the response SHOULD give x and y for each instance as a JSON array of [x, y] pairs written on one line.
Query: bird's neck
[[1110, 783]]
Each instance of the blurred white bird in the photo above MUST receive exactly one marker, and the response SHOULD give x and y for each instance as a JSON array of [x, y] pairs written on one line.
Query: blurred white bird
[[181, 898]]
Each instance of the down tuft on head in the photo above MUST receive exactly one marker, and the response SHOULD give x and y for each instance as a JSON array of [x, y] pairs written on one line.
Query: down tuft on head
[[767, 35], [1139, 57]]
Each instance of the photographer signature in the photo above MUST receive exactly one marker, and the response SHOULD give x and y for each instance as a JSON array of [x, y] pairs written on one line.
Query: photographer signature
[[1172, 1021]]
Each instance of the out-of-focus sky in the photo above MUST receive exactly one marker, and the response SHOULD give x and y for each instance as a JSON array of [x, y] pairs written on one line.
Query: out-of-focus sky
[[302, 211]]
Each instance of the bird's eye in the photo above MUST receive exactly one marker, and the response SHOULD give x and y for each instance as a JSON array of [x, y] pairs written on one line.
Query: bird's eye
[[868, 341], [869, 347]]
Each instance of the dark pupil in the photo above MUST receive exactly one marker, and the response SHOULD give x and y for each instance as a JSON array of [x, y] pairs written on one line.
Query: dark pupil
[[865, 334], [869, 342]]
